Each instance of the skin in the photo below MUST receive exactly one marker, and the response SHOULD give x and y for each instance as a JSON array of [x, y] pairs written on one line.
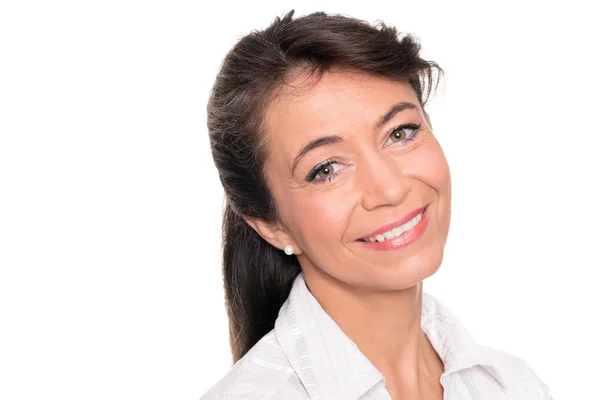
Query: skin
[[374, 296]]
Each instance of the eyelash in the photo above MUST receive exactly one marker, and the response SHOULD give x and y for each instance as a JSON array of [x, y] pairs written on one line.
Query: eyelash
[[312, 175]]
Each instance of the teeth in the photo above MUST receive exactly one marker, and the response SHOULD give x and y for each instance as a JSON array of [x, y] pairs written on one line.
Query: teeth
[[396, 231]]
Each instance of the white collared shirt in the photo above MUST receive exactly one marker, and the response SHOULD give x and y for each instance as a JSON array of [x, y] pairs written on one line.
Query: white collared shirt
[[308, 356]]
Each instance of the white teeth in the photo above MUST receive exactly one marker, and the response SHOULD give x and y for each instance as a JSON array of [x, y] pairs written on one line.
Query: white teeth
[[396, 231]]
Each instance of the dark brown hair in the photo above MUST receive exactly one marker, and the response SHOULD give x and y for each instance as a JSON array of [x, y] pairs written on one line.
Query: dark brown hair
[[258, 276]]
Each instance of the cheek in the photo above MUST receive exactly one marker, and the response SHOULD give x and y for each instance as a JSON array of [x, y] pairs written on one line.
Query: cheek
[[435, 173], [429, 166], [319, 218], [433, 168]]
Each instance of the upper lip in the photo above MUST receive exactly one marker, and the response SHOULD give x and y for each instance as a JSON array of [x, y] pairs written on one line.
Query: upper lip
[[397, 223]]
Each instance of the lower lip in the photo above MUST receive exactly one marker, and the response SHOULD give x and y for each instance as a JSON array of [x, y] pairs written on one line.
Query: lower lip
[[403, 240]]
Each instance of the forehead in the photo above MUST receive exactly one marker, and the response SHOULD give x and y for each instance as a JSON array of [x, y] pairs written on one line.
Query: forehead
[[337, 104]]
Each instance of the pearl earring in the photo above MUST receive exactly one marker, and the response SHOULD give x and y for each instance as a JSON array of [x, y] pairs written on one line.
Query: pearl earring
[[289, 249]]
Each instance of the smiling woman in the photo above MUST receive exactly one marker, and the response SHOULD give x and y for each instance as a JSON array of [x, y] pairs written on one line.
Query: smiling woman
[[368, 170], [338, 208]]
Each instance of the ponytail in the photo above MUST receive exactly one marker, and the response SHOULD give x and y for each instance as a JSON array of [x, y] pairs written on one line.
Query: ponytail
[[258, 278]]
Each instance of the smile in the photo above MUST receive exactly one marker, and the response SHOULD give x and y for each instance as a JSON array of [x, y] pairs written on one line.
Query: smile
[[394, 233], [398, 234]]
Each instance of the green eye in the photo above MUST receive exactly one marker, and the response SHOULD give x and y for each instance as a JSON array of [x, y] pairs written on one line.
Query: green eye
[[403, 134], [398, 135], [325, 171]]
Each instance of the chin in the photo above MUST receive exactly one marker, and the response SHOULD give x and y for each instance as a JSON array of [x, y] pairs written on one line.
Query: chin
[[410, 272]]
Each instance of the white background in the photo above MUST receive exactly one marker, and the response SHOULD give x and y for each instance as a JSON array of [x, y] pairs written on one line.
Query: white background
[[110, 204]]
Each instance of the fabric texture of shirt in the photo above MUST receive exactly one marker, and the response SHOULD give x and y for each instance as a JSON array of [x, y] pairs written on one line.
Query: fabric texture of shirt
[[308, 356]]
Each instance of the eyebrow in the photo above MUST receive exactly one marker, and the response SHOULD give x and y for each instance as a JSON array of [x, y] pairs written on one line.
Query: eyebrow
[[396, 108], [327, 140]]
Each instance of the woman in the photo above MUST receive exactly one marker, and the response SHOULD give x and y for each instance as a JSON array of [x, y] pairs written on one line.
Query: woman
[[338, 207]]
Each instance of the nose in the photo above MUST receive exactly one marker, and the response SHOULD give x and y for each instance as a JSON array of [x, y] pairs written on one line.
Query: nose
[[382, 181]]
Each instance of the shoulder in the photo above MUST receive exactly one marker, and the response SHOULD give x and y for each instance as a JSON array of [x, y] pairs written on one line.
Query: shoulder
[[460, 351], [263, 373], [517, 376]]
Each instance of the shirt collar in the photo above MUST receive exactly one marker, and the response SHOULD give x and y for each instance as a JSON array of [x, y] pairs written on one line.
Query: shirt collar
[[330, 365], [454, 345]]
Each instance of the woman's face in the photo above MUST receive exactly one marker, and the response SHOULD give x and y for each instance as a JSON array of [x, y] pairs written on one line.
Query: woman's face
[[343, 170]]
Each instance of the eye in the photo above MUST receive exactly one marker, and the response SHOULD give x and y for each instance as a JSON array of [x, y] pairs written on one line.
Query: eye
[[403, 133], [324, 172]]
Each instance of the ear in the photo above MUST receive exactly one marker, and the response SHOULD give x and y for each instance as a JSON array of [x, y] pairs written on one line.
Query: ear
[[277, 236]]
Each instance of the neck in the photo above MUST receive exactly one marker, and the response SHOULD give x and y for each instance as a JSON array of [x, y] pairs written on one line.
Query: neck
[[386, 326]]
